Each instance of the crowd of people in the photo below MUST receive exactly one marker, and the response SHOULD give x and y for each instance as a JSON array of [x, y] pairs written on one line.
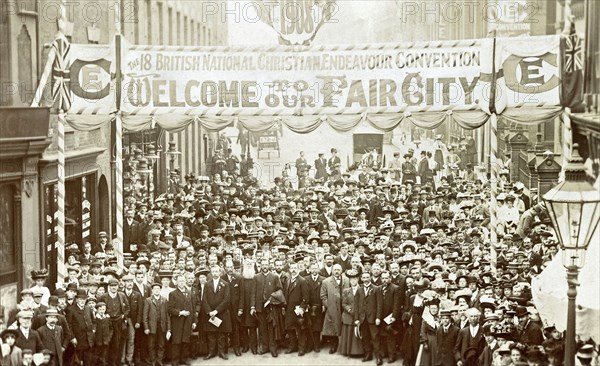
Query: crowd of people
[[378, 262]]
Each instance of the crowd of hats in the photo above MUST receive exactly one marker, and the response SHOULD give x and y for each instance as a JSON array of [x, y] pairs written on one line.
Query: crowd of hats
[[376, 216]]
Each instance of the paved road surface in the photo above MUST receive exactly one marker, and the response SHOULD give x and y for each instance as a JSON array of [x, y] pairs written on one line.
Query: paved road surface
[[311, 359]]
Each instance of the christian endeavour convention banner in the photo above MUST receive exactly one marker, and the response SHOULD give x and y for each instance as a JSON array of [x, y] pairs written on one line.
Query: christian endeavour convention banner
[[431, 76]]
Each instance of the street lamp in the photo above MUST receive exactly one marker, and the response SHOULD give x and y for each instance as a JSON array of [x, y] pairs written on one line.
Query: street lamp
[[574, 208]]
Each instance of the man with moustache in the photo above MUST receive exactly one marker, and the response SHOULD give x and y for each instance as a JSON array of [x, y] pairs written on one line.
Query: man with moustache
[[297, 296], [470, 341], [315, 314], [390, 294], [157, 324], [234, 281], [368, 317], [247, 308], [183, 320], [331, 300], [81, 320], [268, 288], [52, 336], [216, 305]]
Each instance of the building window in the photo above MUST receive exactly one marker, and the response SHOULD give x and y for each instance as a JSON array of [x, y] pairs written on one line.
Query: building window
[[199, 34], [185, 30], [192, 33], [136, 25], [149, 18], [5, 54], [160, 24], [171, 39], [178, 28], [25, 67], [8, 234]]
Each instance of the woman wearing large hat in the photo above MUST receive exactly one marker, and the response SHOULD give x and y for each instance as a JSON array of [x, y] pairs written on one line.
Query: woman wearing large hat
[[14, 356], [39, 277], [350, 343]]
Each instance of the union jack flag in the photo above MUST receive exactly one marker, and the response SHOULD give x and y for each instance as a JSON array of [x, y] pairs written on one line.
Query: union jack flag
[[61, 73], [573, 53]]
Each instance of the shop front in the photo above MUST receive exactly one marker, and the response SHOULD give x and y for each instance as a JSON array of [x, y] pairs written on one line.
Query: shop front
[[23, 138], [81, 203]]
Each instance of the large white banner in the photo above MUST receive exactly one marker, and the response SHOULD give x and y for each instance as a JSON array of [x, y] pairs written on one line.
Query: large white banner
[[90, 82], [352, 79], [285, 81]]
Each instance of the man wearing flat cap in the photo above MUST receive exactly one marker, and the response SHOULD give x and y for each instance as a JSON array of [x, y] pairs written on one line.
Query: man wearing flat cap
[[28, 338]]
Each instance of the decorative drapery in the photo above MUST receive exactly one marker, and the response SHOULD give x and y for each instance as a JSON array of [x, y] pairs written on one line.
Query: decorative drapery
[[468, 120]]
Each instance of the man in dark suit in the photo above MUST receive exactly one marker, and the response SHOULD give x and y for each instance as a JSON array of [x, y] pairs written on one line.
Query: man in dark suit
[[139, 284], [327, 266], [296, 294], [301, 169], [157, 324], [133, 341], [315, 309], [195, 225], [343, 258], [216, 305], [131, 230], [81, 321], [28, 338], [368, 317], [183, 320], [100, 246], [447, 334], [179, 236], [52, 337], [470, 342], [268, 286], [117, 308], [390, 295], [531, 333], [234, 281]]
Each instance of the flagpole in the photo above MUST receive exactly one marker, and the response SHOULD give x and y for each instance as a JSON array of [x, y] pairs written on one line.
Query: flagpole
[[44, 79], [566, 114], [59, 90], [60, 250], [493, 164], [119, 249]]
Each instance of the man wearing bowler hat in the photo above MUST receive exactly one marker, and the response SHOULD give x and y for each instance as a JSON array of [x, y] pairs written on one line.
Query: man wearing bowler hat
[[81, 320], [52, 336], [157, 324], [530, 332], [117, 308], [296, 293]]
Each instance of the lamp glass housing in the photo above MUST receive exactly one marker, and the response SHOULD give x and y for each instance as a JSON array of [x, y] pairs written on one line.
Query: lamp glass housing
[[574, 208]]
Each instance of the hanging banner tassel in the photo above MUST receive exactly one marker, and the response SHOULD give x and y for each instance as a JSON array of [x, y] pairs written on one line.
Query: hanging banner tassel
[[60, 243]]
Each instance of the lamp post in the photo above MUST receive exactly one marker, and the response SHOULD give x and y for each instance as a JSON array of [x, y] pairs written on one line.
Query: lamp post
[[574, 208]]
